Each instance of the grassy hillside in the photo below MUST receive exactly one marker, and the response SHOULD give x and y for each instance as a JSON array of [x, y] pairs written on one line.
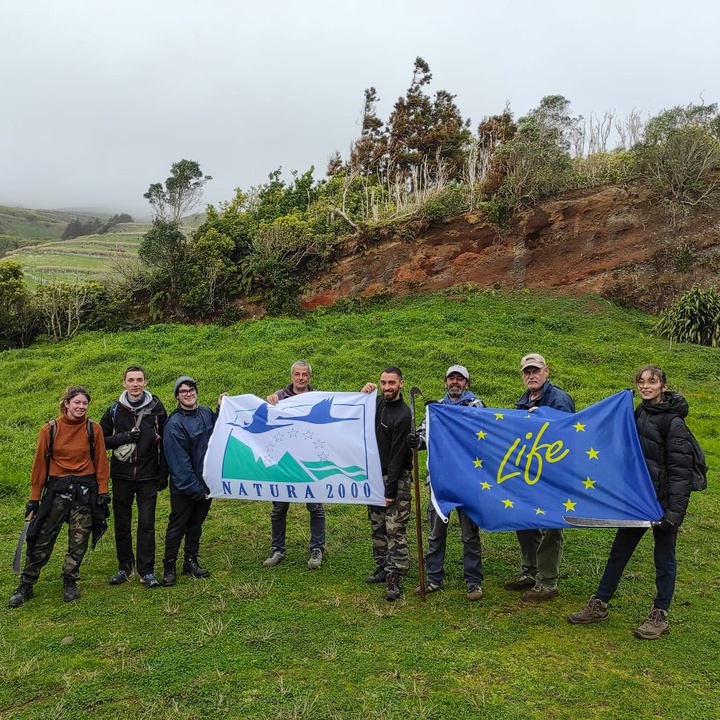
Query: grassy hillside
[[90, 257], [292, 643]]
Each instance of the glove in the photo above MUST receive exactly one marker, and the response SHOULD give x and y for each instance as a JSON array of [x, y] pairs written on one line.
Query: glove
[[414, 440], [103, 499], [134, 435], [162, 483], [667, 525], [31, 507]]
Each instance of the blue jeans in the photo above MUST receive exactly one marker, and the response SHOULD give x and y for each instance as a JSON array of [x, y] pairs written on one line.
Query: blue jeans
[[472, 552], [278, 521], [626, 540]]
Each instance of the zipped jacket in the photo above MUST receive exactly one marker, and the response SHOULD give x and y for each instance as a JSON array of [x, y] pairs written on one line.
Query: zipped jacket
[[669, 456], [185, 437], [148, 460]]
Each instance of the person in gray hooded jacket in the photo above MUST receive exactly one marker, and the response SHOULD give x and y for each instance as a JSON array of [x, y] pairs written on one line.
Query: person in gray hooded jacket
[[133, 428]]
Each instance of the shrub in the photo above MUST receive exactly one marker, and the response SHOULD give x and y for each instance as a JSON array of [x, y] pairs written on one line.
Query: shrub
[[450, 201], [693, 318]]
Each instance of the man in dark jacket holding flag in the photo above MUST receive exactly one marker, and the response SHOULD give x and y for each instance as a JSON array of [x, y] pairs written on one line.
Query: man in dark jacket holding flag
[[457, 381], [389, 522], [186, 436], [133, 428], [541, 549]]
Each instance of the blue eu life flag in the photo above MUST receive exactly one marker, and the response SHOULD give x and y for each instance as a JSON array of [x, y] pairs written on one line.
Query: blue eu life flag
[[516, 470]]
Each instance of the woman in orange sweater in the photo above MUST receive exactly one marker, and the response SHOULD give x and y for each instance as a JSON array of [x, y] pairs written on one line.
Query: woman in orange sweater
[[69, 483]]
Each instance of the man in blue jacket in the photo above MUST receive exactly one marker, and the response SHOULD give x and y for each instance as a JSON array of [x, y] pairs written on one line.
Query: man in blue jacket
[[185, 440], [541, 549]]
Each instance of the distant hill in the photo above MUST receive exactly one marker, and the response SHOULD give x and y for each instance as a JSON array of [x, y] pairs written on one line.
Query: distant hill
[[33, 238]]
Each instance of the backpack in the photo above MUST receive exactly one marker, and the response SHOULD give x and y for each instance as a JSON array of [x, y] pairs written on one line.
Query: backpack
[[53, 432], [699, 467]]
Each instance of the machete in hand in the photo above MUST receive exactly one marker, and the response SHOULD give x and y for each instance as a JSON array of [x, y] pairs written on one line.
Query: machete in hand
[[21, 544], [602, 523]]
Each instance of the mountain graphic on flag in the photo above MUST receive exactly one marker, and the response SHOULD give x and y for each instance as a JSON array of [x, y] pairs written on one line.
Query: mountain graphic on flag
[[240, 463]]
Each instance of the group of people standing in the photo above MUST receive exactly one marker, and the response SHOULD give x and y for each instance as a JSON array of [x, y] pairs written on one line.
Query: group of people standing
[[70, 474]]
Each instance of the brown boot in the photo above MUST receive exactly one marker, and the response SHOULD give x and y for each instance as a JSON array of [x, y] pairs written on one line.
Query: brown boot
[[656, 625]]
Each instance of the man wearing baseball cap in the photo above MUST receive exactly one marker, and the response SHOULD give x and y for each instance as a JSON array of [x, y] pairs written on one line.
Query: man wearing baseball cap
[[185, 440], [457, 383], [541, 549]]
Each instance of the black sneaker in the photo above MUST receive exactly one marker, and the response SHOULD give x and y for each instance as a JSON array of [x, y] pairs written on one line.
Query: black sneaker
[[121, 576], [379, 576], [392, 587], [150, 581], [23, 593]]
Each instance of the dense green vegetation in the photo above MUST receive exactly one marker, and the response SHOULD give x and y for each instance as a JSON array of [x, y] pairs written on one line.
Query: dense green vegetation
[[293, 643]]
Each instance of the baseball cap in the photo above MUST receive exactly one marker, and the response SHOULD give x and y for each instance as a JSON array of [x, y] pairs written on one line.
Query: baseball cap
[[458, 369], [183, 380], [533, 360]]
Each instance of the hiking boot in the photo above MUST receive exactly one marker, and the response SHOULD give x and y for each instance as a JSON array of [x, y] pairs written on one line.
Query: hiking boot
[[316, 558], [70, 589], [474, 592], [656, 625], [275, 558], [379, 576], [122, 576], [23, 593], [430, 587], [392, 587], [150, 581], [595, 611], [522, 581], [540, 594], [192, 567], [169, 574]]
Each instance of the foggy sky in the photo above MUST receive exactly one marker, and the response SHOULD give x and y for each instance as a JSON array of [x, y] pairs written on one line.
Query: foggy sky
[[98, 99]]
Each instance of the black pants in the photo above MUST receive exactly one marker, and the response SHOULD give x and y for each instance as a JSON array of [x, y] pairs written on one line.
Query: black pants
[[186, 520], [124, 493]]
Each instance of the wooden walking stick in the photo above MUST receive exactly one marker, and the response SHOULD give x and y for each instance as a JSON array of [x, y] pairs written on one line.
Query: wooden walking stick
[[418, 521]]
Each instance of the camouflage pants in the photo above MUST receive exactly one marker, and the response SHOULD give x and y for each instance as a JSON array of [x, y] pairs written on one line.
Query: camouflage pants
[[79, 520], [389, 530]]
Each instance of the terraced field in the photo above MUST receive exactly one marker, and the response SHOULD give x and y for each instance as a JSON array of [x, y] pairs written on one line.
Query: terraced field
[[88, 257]]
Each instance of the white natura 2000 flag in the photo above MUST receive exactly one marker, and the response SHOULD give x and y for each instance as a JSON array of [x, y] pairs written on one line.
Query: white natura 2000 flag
[[314, 447]]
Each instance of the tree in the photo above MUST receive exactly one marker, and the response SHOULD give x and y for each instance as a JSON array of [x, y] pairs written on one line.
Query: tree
[[369, 151], [211, 269], [680, 154], [17, 312], [181, 193], [535, 162], [64, 306], [421, 130], [164, 248]]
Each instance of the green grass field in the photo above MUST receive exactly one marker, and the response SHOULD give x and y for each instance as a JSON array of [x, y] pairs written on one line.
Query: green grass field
[[90, 257], [293, 643]]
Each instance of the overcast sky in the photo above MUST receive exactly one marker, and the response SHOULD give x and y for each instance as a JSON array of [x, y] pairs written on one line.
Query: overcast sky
[[98, 99]]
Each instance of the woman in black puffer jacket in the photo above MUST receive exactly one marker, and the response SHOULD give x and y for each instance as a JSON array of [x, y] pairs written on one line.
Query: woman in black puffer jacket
[[666, 446]]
